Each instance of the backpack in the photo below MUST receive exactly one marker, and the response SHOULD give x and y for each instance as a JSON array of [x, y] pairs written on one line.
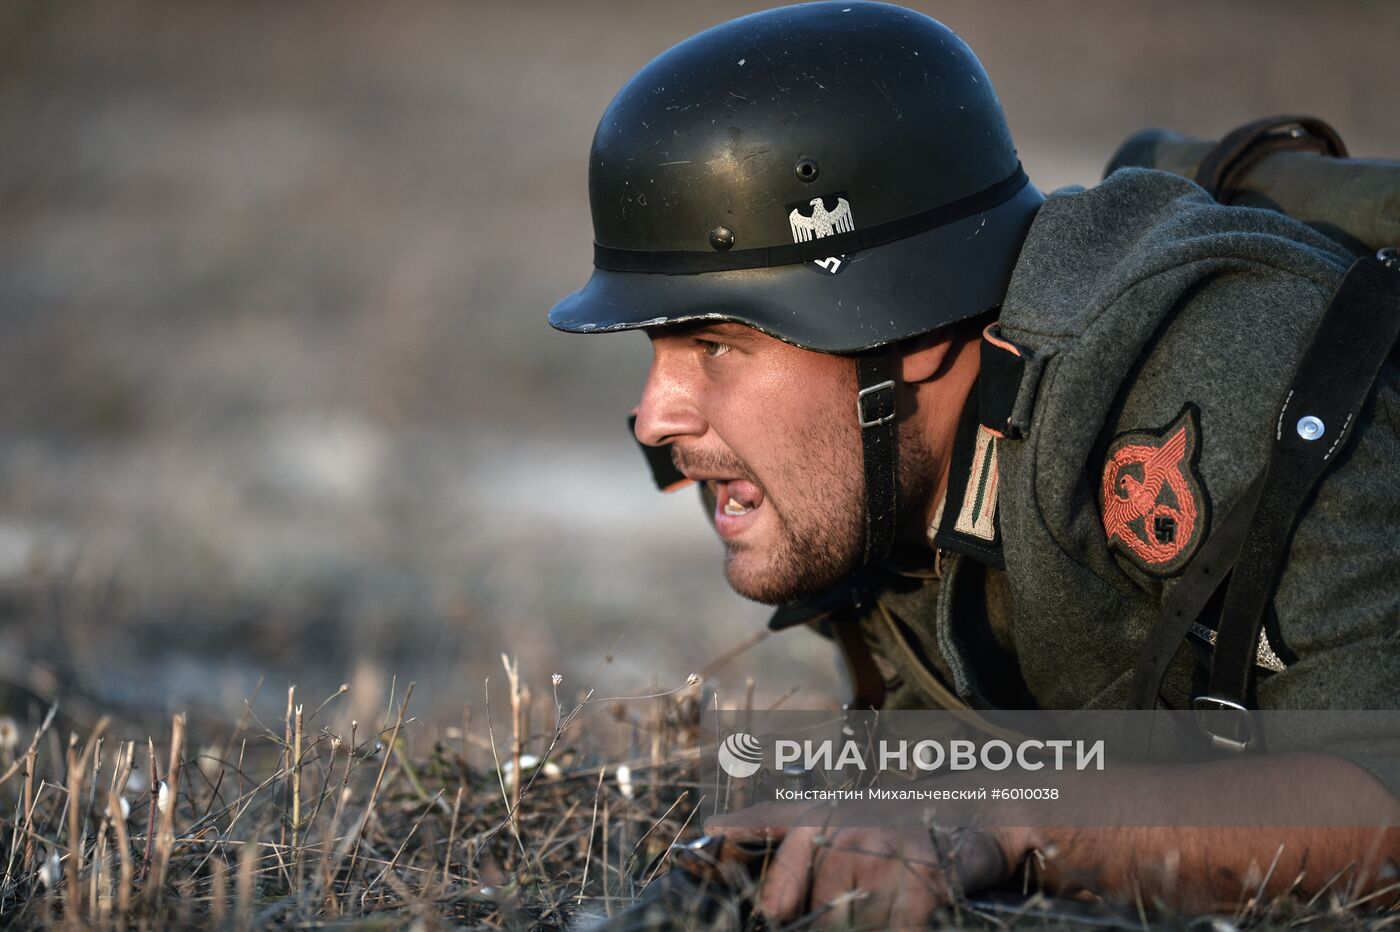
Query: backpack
[[1297, 165]]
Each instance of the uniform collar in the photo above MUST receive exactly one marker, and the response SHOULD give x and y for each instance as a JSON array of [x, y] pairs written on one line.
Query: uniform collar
[[970, 521]]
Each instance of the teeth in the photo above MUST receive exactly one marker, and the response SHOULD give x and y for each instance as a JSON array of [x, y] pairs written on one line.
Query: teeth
[[733, 508]]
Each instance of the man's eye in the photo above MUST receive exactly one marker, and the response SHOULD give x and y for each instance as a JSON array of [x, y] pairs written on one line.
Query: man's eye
[[712, 349]]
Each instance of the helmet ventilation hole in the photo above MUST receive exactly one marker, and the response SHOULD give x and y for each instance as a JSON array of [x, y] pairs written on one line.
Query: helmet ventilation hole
[[807, 170]]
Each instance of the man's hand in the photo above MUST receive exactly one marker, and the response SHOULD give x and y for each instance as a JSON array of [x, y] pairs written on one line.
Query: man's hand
[[899, 876], [865, 876]]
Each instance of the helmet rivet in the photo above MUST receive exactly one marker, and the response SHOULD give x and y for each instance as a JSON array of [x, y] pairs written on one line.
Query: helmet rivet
[[1311, 428], [806, 170], [722, 238]]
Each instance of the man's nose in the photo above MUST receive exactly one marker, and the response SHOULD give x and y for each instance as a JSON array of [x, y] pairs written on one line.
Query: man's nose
[[667, 412]]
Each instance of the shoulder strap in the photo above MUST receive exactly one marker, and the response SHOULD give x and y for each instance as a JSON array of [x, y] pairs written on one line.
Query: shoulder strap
[[1348, 346], [1343, 358], [1189, 598]]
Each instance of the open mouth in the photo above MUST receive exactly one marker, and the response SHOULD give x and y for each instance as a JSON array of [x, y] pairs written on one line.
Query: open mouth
[[736, 502]]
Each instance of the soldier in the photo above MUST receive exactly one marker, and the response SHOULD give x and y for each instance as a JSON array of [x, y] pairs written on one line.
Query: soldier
[[990, 441]]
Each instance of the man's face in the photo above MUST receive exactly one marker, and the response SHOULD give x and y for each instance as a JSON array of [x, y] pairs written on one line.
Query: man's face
[[772, 429]]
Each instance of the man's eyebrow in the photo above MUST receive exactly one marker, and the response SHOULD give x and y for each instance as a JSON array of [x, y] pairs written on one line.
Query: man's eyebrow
[[726, 331]]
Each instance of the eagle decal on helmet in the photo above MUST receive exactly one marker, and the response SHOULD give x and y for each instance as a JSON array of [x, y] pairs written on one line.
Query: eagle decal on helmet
[[821, 223]]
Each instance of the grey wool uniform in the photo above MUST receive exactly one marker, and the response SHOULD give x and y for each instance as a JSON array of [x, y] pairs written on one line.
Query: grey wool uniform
[[1160, 332], [841, 176]]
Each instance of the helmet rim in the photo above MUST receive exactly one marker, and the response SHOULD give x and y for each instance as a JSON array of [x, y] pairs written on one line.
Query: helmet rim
[[882, 295]]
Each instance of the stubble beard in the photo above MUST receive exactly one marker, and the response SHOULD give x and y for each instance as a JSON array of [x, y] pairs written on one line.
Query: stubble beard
[[810, 556], [827, 544]]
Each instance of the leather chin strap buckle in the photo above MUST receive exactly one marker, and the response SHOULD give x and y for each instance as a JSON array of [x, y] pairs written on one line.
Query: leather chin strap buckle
[[875, 412], [884, 408], [1228, 725]]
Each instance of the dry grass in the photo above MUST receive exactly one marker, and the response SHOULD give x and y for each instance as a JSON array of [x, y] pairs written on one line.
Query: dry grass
[[293, 823]]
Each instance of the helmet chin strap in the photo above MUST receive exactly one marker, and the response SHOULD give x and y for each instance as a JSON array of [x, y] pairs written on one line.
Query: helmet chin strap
[[875, 408]]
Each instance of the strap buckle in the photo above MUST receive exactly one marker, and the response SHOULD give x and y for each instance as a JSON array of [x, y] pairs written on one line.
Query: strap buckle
[[879, 416], [1229, 725]]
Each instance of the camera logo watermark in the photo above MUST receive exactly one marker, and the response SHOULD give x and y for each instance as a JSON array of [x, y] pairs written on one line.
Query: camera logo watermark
[[740, 755]]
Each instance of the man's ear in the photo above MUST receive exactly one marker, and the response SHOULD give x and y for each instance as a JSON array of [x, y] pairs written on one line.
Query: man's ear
[[924, 358]]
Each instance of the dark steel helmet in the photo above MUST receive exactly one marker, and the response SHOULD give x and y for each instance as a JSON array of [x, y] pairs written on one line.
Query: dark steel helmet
[[838, 175]]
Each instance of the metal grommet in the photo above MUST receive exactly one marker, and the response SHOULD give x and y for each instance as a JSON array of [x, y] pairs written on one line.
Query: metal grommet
[[1311, 428], [1389, 255], [722, 238], [806, 170]]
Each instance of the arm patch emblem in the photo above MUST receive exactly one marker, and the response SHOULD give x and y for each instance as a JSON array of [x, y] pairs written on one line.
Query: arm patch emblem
[[1154, 506]]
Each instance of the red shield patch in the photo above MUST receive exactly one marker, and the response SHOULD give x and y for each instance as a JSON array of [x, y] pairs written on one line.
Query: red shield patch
[[1154, 508]]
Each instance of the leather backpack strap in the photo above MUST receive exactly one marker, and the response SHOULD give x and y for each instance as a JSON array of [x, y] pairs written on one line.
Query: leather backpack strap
[[1345, 353], [1189, 598], [1223, 168], [867, 685], [1347, 348]]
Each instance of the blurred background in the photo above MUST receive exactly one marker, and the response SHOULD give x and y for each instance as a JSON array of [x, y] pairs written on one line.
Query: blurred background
[[277, 396]]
